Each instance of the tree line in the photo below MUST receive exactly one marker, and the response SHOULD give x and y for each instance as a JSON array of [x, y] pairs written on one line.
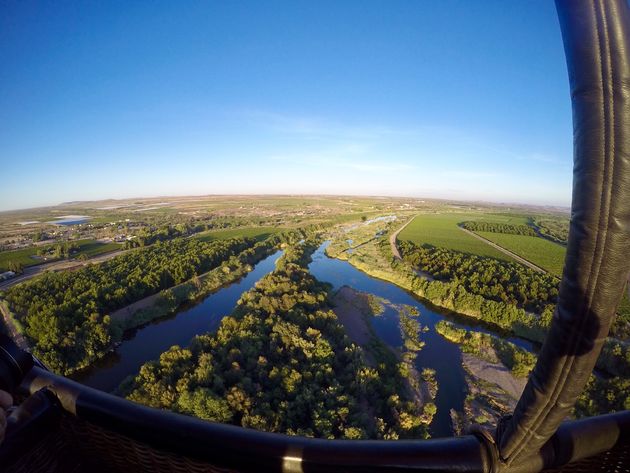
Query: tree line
[[499, 228], [151, 235], [497, 280]]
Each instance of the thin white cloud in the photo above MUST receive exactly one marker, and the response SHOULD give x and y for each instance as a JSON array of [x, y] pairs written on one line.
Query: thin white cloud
[[340, 160], [317, 127], [464, 174], [542, 158]]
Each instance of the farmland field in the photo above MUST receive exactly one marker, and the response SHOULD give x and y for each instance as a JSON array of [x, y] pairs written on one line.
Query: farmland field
[[23, 256], [442, 230], [541, 252], [27, 256], [511, 219], [259, 233], [92, 248]]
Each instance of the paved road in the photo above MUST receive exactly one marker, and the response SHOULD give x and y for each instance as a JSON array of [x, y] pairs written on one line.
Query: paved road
[[394, 236], [33, 271], [507, 252]]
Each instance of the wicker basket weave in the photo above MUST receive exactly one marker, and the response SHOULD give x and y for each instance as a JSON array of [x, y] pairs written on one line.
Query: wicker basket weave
[[79, 446]]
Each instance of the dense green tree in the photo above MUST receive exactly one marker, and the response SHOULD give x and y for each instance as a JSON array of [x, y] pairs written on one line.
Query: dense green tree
[[499, 228], [15, 266], [496, 280], [554, 229]]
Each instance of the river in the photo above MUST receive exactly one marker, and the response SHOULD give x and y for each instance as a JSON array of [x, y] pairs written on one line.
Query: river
[[438, 353], [148, 342]]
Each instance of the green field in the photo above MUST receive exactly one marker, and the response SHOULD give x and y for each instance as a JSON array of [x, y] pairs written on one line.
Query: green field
[[441, 230], [541, 252], [27, 256], [18, 256], [512, 219], [92, 248], [259, 233]]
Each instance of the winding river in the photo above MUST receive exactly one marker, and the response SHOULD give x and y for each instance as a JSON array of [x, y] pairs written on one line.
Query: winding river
[[148, 342]]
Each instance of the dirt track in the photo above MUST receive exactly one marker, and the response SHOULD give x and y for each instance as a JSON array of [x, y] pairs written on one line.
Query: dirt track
[[394, 236]]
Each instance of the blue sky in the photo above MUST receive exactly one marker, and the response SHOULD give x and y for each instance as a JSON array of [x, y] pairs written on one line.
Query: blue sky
[[451, 99]]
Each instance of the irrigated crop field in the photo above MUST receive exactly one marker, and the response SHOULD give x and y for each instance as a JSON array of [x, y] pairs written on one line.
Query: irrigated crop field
[[541, 252], [442, 230]]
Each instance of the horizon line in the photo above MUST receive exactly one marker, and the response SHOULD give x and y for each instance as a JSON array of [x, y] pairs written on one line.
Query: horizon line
[[171, 196]]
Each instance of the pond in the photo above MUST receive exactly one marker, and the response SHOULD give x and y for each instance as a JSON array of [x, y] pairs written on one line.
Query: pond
[[67, 220]]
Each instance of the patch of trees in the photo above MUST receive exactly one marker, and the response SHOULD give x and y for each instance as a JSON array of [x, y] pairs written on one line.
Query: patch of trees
[[40, 236], [280, 363], [496, 280], [59, 250], [615, 358], [151, 235], [553, 229], [65, 314], [499, 228], [621, 325], [489, 347], [410, 330], [16, 266], [602, 396]]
